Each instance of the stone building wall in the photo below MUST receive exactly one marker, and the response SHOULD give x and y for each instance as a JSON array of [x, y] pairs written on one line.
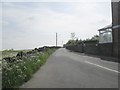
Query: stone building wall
[[116, 32], [119, 31]]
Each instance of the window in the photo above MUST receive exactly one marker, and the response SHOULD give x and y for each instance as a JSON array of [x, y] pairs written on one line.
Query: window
[[105, 36]]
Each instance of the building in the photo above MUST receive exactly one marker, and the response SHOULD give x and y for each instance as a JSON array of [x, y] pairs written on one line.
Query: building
[[116, 28], [109, 42]]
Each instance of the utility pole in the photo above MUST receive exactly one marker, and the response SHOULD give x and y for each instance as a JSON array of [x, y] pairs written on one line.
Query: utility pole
[[56, 39]]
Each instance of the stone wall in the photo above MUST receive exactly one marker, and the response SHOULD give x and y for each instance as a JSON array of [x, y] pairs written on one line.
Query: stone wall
[[119, 32], [20, 55], [76, 48], [91, 47], [105, 49], [116, 32]]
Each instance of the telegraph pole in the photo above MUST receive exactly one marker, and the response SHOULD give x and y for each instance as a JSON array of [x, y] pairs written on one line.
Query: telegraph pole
[[56, 39]]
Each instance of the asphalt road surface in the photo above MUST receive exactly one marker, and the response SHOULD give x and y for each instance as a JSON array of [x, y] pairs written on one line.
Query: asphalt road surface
[[65, 69]]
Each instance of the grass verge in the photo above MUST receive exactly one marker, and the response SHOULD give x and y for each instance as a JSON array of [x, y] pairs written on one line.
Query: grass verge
[[15, 74]]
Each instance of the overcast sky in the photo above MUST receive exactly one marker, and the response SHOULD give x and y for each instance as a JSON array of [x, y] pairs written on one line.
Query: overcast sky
[[27, 25]]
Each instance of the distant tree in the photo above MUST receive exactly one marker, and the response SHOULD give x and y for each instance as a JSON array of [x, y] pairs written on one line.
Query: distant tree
[[71, 42], [64, 45], [73, 36], [95, 37], [80, 41], [76, 41]]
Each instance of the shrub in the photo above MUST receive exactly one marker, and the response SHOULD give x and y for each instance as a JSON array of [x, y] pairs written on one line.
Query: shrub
[[16, 73]]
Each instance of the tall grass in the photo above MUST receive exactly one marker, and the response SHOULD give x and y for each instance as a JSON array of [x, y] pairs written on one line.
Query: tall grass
[[15, 74]]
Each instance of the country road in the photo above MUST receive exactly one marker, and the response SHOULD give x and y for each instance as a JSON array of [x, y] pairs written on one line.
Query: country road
[[66, 69]]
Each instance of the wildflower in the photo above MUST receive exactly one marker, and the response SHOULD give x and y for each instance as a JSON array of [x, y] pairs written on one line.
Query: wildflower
[[19, 75], [25, 67], [9, 69], [17, 66]]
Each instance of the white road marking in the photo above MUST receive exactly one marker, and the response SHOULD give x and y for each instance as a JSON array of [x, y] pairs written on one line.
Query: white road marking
[[102, 67]]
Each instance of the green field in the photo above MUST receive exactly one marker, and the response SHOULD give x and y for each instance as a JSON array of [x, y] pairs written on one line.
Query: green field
[[10, 53]]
